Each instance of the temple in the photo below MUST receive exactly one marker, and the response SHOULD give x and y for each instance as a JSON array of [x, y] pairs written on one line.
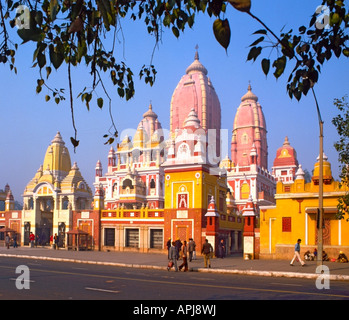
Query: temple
[[157, 188]]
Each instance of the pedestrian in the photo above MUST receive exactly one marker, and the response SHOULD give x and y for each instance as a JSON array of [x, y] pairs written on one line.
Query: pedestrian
[[297, 249], [173, 257], [56, 239], [32, 239], [178, 245], [7, 241], [191, 249], [168, 244], [207, 251], [184, 256], [221, 249], [15, 245]]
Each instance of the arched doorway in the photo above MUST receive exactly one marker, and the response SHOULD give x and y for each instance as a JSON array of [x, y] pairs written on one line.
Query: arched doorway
[[44, 225]]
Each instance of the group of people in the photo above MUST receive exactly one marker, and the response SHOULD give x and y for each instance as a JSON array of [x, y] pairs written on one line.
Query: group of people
[[8, 240], [312, 256], [178, 250], [32, 240]]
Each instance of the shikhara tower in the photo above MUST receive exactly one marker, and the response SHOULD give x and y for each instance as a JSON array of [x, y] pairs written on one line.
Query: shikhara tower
[[249, 132], [195, 91], [247, 170]]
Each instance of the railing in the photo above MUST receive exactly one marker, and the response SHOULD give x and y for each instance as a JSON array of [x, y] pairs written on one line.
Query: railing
[[143, 213]]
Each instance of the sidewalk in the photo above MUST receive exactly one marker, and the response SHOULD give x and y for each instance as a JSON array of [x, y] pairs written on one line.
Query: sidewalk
[[232, 265]]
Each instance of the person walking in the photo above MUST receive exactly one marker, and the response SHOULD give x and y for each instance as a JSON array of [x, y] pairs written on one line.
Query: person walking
[[207, 251], [221, 249], [191, 249], [168, 244], [184, 256], [173, 257], [56, 240], [178, 245], [15, 245], [7, 241], [297, 249]]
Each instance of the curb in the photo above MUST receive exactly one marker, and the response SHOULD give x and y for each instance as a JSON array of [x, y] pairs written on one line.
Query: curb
[[279, 274], [204, 270]]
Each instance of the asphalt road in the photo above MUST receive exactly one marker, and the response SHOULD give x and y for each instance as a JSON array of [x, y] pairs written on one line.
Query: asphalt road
[[48, 280]]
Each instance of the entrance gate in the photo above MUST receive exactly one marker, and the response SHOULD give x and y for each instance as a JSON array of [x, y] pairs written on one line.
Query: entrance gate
[[44, 229]]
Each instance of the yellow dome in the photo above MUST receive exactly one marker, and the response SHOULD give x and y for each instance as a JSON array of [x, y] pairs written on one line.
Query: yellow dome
[[57, 157], [140, 138], [55, 167], [125, 144], [74, 180], [327, 172]]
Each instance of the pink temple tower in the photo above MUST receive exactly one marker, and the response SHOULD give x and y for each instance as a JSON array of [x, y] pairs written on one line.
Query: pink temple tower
[[249, 132], [195, 91]]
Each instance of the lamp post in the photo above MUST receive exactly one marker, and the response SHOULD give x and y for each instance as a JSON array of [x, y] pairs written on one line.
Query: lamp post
[[321, 178]]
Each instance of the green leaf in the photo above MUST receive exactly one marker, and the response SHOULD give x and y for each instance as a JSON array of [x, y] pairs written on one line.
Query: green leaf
[[175, 32], [266, 66], [261, 31], [241, 5], [167, 20], [279, 65], [254, 53], [41, 60], [221, 30], [48, 72], [121, 92], [74, 142], [33, 34], [56, 58], [257, 41], [100, 103], [54, 8]]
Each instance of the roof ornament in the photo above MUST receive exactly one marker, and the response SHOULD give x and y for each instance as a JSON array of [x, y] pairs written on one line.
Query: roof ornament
[[249, 95], [286, 142], [196, 66], [196, 57]]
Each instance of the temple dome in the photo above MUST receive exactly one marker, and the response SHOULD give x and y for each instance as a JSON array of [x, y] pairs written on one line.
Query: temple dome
[[249, 130], [286, 155], [57, 157], [195, 90], [249, 95], [196, 66], [327, 172], [150, 113]]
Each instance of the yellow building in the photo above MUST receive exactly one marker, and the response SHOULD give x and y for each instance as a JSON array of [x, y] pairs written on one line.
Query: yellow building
[[295, 216], [191, 184], [54, 195]]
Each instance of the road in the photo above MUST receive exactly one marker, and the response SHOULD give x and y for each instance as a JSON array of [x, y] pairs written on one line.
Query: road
[[40, 280]]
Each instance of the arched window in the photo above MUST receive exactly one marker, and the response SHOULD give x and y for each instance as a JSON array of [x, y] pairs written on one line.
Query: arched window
[[183, 151], [65, 203], [127, 183]]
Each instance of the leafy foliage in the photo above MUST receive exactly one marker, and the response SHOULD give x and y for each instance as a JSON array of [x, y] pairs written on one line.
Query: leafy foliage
[[341, 122], [74, 32]]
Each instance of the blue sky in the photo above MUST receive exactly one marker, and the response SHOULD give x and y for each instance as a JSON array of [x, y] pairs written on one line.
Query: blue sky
[[29, 123]]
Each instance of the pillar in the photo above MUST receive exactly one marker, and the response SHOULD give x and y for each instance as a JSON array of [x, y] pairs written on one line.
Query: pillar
[[249, 216]]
